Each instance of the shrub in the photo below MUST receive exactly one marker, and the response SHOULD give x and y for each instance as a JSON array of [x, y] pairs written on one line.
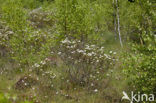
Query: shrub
[[26, 42], [140, 68], [3, 99], [86, 62]]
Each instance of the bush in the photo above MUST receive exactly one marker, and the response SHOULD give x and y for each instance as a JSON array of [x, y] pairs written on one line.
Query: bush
[[140, 68], [3, 99], [86, 63], [26, 42]]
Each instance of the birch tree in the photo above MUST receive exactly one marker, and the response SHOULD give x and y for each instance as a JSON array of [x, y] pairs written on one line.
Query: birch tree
[[118, 22]]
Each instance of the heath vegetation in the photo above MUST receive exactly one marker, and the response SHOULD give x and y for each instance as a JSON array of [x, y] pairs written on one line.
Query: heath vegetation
[[76, 51]]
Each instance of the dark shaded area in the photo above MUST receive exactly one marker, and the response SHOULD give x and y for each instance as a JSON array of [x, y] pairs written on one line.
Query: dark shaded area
[[131, 0]]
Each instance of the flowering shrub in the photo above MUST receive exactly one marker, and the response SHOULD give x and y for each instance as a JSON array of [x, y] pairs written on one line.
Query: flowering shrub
[[83, 64], [90, 54], [85, 60]]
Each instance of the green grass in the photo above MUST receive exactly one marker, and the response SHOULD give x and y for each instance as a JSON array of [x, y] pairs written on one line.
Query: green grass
[[67, 94]]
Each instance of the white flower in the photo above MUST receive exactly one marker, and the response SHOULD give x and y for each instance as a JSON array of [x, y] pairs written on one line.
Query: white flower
[[87, 47], [93, 46], [43, 62], [89, 54], [72, 47], [73, 42], [114, 59], [73, 52], [57, 92], [79, 51], [65, 41], [106, 55], [47, 59], [108, 74], [101, 56], [25, 84], [114, 53], [111, 71], [93, 53], [36, 65], [25, 77], [96, 90], [23, 81], [110, 52], [59, 53], [54, 76], [68, 46]]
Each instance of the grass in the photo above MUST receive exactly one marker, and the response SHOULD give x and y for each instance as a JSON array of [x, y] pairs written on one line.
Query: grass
[[62, 90]]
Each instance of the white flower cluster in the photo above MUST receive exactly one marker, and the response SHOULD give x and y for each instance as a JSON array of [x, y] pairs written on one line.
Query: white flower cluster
[[40, 64], [75, 50]]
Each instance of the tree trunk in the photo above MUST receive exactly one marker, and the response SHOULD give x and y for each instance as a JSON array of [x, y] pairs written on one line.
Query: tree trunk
[[118, 21]]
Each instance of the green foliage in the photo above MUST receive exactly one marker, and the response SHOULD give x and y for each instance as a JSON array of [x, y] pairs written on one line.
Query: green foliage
[[84, 20], [25, 43], [140, 68], [140, 63], [73, 19], [3, 99], [31, 4], [26, 102], [14, 15]]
